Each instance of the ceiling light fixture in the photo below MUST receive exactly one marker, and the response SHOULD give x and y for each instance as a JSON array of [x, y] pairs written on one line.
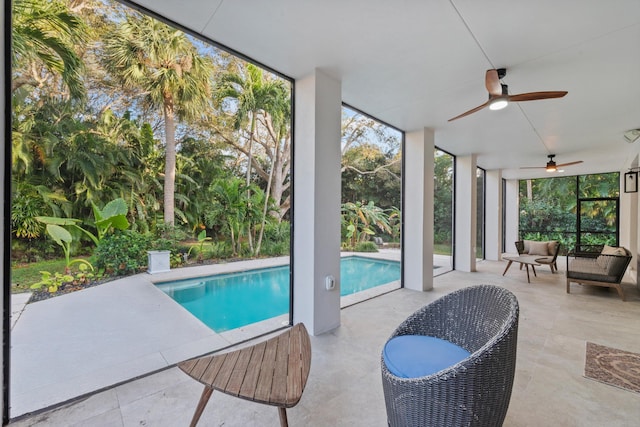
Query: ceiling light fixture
[[551, 166], [632, 135], [498, 104], [500, 101]]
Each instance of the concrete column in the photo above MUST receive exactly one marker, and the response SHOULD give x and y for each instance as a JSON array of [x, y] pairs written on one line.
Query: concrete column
[[512, 215], [417, 210], [629, 207], [4, 295], [316, 210], [465, 216], [493, 215]]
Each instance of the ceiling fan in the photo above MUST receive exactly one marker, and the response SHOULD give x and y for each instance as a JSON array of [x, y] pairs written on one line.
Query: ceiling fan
[[551, 165], [499, 95]]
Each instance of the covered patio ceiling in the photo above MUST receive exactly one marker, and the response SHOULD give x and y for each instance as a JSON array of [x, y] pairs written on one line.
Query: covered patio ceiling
[[416, 64]]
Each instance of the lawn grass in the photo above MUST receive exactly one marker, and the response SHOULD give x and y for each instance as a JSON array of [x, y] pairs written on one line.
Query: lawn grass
[[25, 275], [441, 249]]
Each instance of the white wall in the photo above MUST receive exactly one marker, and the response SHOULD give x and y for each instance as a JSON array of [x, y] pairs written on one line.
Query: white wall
[[493, 215], [417, 210], [629, 220], [465, 215], [316, 210]]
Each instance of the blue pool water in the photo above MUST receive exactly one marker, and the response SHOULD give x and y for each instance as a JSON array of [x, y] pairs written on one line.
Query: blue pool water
[[229, 301]]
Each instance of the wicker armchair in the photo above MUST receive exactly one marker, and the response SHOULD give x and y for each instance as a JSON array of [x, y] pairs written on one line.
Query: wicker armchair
[[476, 391]]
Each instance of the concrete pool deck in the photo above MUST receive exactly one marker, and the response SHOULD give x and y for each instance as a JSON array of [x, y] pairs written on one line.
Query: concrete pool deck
[[93, 339]]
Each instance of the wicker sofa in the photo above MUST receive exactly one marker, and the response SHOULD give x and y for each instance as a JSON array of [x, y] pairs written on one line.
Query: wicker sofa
[[606, 268], [476, 391], [548, 251]]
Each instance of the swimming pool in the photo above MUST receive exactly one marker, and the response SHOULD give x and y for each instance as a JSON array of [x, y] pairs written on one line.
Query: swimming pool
[[229, 301]]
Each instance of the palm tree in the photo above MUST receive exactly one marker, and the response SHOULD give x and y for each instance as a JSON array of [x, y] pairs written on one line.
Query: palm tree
[[233, 210], [171, 75], [253, 95], [45, 33]]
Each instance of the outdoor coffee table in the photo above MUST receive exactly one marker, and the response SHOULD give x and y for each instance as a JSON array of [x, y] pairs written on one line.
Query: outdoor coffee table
[[525, 260], [273, 372]]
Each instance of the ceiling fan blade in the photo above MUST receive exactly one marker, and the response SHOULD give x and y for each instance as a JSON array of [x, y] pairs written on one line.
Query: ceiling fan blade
[[492, 82], [533, 96], [473, 110], [561, 165], [533, 167]]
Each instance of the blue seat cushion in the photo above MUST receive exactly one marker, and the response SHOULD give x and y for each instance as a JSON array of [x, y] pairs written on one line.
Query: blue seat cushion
[[413, 356]]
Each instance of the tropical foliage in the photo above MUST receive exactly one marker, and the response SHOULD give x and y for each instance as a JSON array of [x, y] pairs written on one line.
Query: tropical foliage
[[109, 104], [127, 132], [551, 207]]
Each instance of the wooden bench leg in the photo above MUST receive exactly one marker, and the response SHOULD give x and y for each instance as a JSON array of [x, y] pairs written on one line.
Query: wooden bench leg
[[508, 265], [283, 417], [206, 394], [620, 292]]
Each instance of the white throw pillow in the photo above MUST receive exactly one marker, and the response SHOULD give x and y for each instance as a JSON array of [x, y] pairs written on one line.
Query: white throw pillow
[[611, 250], [606, 261], [539, 248]]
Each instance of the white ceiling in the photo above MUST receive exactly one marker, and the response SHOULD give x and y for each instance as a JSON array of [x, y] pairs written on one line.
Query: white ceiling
[[417, 63]]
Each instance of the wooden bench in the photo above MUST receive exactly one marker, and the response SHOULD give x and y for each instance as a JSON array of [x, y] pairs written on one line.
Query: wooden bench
[[273, 372]]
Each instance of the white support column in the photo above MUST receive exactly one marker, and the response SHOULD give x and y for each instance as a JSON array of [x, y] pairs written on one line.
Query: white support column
[[5, 256], [466, 218], [512, 215], [417, 210], [493, 216], [628, 232], [316, 214]]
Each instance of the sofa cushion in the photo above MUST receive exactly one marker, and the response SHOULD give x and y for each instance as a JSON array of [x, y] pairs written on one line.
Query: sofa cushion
[[539, 248], [552, 245], [526, 245], [413, 356], [589, 269], [607, 261], [612, 250]]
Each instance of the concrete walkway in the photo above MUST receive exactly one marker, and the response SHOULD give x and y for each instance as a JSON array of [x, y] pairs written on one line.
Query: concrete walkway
[[89, 340], [344, 387]]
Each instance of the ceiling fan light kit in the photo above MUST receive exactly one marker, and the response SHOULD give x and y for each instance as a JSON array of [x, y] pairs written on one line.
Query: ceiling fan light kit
[[498, 104], [552, 166], [499, 96]]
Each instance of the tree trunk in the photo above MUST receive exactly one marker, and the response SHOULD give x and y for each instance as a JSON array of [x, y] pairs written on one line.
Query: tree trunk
[[264, 209], [170, 162], [250, 156]]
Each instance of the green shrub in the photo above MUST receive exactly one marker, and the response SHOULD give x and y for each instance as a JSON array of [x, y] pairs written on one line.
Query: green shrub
[[366, 247], [275, 249], [123, 252], [220, 249], [276, 239]]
